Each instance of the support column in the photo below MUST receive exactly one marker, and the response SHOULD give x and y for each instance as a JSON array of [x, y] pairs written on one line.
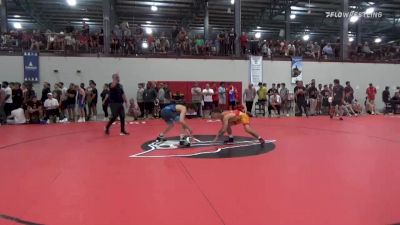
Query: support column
[[113, 15], [206, 22], [287, 24], [3, 16], [106, 25], [359, 32], [344, 31], [238, 25]]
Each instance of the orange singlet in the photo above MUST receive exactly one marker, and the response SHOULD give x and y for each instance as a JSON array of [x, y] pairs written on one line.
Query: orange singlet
[[240, 117]]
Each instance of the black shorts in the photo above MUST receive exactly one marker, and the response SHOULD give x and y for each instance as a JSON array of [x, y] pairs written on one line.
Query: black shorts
[[233, 103], [336, 102], [93, 104], [208, 105]]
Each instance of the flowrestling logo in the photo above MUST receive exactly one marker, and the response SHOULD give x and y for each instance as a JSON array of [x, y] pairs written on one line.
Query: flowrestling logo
[[202, 146], [350, 14]]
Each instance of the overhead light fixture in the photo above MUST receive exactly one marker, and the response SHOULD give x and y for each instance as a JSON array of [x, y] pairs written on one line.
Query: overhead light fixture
[[371, 3], [292, 16], [258, 27], [145, 45], [85, 19], [154, 8], [17, 16], [306, 37], [351, 39], [378, 40], [352, 7], [257, 35], [370, 10], [17, 25], [232, 2], [354, 19], [148, 22], [149, 30], [71, 2]]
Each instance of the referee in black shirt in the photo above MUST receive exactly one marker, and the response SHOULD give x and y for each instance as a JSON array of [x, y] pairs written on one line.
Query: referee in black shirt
[[117, 98]]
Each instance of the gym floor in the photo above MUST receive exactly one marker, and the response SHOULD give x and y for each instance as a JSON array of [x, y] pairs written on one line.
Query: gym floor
[[313, 171]]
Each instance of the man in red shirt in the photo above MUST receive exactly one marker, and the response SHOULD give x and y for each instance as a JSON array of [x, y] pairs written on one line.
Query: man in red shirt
[[243, 42], [371, 92]]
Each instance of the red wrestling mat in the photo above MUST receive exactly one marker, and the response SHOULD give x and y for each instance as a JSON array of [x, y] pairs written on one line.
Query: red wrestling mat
[[318, 171]]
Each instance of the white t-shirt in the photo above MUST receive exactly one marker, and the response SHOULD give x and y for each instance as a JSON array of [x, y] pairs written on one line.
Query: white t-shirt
[[19, 116], [275, 98], [208, 95], [8, 92], [51, 103]]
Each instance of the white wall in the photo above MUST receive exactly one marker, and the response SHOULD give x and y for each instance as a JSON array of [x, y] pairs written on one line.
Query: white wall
[[135, 70]]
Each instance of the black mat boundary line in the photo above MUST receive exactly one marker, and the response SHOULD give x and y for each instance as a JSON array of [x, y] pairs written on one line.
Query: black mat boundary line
[[18, 220]]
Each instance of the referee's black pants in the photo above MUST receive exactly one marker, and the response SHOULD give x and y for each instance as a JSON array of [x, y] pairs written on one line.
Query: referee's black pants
[[117, 110]]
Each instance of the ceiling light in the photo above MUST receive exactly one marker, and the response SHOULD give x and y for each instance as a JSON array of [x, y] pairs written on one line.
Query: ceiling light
[[17, 16], [257, 35], [306, 37], [17, 25], [378, 40], [292, 16], [352, 7], [145, 45], [85, 19], [258, 27], [149, 30], [370, 10], [154, 8], [354, 19], [71, 2], [351, 39], [371, 3], [148, 22], [232, 2]]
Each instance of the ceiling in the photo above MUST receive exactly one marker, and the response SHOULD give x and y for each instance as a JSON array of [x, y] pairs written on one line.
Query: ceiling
[[265, 16]]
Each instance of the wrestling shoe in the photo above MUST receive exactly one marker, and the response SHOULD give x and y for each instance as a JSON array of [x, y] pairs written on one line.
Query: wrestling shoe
[[161, 138], [229, 141], [123, 133], [262, 141]]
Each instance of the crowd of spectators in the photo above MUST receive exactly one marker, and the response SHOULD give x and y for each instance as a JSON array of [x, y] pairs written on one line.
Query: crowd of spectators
[[127, 41], [19, 104]]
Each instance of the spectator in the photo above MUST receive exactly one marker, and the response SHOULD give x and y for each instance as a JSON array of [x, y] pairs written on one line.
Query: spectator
[[243, 43], [284, 94], [92, 100], [208, 101], [386, 95], [35, 110], [327, 51], [348, 92], [196, 98], [168, 95], [63, 101], [45, 91], [233, 97], [300, 98], [338, 100], [325, 93], [149, 98], [215, 96], [17, 96], [2, 103], [371, 92], [105, 101], [366, 49], [395, 102], [316, 51], [249, 95], [134, 110], [71, 101], [139, 98], [8, 102], [313, 95], [51, 105], [17, 116], [232, 38], [80, 101], [161, 95], [275, 104], [199, 44], [222, 96], [57, 92]]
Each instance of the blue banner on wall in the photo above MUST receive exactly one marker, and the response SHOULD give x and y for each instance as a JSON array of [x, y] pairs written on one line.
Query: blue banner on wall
[[297, 69], [31, 66]]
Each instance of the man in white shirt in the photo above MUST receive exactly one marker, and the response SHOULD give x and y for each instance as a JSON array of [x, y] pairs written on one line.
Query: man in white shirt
[[275, 104], [196, 98], [208, 101], [52, 108], [17, 117], [8, 106], [249, 95], [3, 116]]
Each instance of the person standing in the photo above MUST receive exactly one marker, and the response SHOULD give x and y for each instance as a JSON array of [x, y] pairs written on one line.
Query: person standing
[[215, 96], [313, 95], [208, 101], [104, 99], [80, 100], [338, 99], [233, 97], [3, 116], [161, 95], [222, 96], [300, 97], [348, 92], [71, 101], [371, 92], [149, 98], [92, 100], [139, 98], [249, 95], [117, 99], [196, 98], [8, 102], [284, 94], [45, 91]]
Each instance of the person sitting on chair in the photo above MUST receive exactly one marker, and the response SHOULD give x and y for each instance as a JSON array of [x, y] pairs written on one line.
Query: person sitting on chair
[[52, 111]]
